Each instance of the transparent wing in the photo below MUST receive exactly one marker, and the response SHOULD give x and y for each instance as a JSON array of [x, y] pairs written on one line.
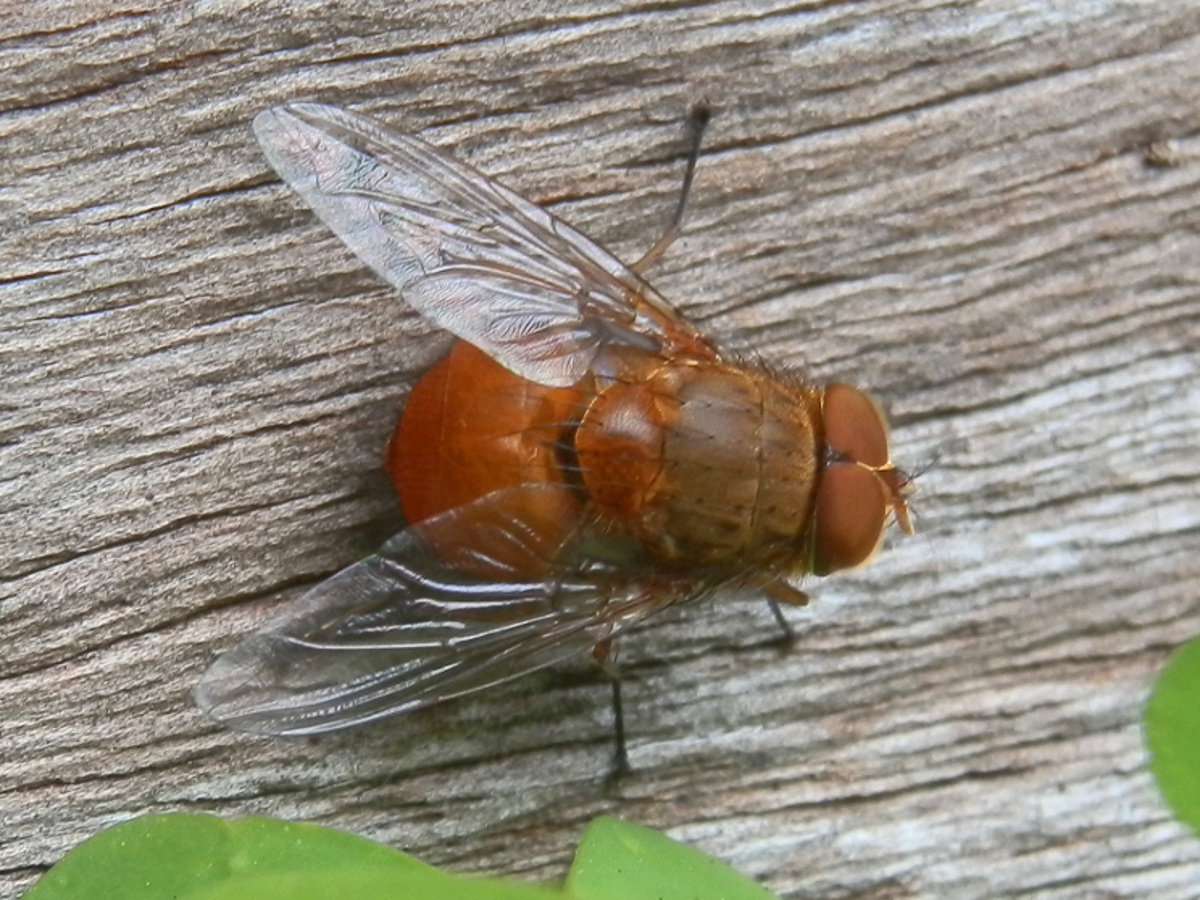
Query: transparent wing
[[402, 629], [477, 259]]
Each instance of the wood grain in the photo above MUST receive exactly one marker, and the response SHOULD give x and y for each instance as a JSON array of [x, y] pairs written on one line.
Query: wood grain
[[986, 213]]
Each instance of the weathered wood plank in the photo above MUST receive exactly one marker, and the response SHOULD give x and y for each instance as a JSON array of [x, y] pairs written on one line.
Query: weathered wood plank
[[948, 204]]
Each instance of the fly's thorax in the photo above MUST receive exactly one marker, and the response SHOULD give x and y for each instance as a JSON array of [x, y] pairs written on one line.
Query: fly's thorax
[[707, 464]]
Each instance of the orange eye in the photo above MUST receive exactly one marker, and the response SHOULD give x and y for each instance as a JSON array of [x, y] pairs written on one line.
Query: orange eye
[[854, 426], [852, 504]]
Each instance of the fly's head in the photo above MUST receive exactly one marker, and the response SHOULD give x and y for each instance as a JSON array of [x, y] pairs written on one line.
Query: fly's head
[[858, 483]]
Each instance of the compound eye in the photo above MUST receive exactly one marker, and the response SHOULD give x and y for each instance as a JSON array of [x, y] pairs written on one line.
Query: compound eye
[[852, 506], [854, 426]]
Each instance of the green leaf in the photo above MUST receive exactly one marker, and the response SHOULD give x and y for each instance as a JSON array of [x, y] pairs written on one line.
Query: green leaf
[[1172, 728], [198, 857], [371, 884], [620, 861]]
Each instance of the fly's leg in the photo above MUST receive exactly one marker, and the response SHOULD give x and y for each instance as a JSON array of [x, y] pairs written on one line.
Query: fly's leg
[[778, 592], [605, 656], [696, 123], [620, 756]]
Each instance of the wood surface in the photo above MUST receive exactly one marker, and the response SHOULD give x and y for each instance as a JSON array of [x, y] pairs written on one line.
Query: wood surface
[[988, 214]]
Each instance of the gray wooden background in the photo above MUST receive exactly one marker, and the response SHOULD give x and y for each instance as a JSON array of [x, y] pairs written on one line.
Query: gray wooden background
[[986, 213]]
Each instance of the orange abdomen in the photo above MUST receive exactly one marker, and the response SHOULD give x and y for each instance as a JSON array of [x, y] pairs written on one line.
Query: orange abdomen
[[471, 428]]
